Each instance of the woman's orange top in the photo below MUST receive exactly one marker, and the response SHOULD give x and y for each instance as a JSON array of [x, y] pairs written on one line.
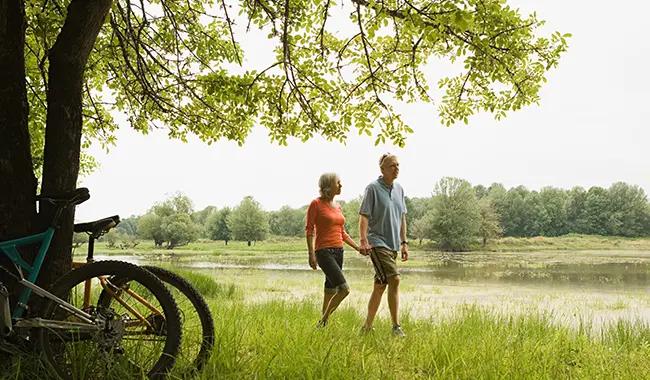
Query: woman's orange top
[[328, 222]]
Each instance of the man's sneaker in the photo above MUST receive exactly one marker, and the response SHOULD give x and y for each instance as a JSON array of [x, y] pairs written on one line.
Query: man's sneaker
[[365, 330], [397, 331]]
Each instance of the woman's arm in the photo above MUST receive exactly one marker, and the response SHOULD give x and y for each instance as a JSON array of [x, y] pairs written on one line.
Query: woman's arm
[[348, 240]]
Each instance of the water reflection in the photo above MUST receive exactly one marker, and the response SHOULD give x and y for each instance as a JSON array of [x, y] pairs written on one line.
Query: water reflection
[[554, 272]]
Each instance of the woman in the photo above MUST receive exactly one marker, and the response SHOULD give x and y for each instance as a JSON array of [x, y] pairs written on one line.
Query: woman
[[326, 217]]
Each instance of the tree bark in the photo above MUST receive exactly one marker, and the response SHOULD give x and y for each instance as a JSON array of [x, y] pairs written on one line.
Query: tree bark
[[17, 180], [68, 58]]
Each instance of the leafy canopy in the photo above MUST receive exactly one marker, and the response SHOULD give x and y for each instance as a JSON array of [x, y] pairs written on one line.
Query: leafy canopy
[[178, 64]]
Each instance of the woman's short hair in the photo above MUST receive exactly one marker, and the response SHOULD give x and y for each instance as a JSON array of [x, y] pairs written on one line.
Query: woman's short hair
[[327, 184]]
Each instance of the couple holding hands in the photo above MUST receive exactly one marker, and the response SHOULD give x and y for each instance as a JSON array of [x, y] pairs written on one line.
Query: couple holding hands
[[382, 232]]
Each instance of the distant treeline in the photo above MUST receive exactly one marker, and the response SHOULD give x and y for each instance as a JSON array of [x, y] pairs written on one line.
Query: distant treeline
[[454, 215]]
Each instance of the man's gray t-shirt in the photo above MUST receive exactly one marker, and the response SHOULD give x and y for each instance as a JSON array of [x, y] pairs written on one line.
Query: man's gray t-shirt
[[384, 205]]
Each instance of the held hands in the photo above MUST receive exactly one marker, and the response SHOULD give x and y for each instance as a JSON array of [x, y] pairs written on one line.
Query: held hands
[[312, 260], [365, 247]]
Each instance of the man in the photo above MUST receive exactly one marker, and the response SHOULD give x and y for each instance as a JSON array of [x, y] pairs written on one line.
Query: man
[[382, 228]]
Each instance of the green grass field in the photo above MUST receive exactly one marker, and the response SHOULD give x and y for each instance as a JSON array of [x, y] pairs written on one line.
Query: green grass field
[[277, 339], [474, 327]]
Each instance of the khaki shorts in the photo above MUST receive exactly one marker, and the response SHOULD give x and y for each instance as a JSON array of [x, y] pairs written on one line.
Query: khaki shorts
[[385, 262]]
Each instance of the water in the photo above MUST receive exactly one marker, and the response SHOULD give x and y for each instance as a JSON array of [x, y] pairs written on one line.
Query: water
[[593, 288]]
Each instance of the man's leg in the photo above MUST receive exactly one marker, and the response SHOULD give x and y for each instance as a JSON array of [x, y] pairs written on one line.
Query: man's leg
[[393, 298], [373, 304]]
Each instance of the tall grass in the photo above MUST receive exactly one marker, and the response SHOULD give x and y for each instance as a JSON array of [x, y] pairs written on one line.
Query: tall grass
[[278, 340]]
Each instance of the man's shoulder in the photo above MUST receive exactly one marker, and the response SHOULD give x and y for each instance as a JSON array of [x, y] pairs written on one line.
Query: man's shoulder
[[372, 186]]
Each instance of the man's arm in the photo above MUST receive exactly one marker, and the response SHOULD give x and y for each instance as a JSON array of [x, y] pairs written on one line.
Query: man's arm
[[364, 248], [402, 235]]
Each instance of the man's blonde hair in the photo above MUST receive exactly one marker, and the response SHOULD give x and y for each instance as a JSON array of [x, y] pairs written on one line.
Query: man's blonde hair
[[327, 184]]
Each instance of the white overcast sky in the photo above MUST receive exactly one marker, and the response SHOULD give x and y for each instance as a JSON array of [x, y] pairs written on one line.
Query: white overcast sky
[[589, 130]]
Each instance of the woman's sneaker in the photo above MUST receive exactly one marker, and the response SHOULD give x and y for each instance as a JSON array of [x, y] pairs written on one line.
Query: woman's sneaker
[[397, 331]]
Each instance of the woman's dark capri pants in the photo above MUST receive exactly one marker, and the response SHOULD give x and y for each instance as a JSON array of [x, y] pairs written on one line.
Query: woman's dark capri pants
[[330, 260]]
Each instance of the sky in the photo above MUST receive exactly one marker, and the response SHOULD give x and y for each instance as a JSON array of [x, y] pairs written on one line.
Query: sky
[[589, 130]]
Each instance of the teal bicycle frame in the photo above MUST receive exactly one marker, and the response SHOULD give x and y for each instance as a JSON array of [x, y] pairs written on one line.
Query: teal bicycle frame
[[10, 250]]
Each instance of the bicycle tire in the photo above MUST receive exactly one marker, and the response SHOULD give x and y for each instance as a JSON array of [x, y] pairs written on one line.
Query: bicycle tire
[[202, 309], [66, 284]]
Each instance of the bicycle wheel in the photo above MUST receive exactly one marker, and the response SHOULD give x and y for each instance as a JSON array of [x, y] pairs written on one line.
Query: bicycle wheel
[[138, 328], [198, 325]]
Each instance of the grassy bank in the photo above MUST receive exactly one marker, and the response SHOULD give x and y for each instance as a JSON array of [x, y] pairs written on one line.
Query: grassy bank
[[277, 340], [294, 245]]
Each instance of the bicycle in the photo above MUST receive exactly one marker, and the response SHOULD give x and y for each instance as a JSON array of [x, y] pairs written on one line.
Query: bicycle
[[92, 340], [196, 348]]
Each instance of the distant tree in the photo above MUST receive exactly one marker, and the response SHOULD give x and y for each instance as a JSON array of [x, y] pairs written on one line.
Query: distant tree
[[596, 212], [554, 202], [217, 225], [150, 227], [534, 218], [416, 209], [128, 226], [170, 221], [78, 239], [419, 229], [201, 218], [179, 229], [455, 213], [489, 224], [287, 222], [576, 221], [511, 206], [481, 191], [248, 221], [111, 238], [351, 214], [628, 210]]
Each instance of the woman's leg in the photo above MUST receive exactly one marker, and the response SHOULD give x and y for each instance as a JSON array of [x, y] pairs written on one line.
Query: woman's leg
[[337, 280]]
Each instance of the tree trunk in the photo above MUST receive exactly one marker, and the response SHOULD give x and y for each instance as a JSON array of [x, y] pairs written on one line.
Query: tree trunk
[[68, 58], [17, 180]]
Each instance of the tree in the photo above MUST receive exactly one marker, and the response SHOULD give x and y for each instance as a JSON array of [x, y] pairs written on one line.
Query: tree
[[179, 229], [481, 191], [287, 222], [170, 221], [416, 208], [628, 210], [163, 64], [489, 226], [151, 227], [419, 229], [575, 210], [217, 225], [455, 213], [128, 226], [554, 202], [201, 219], [248, 222], [351, 214], [596, 213]]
